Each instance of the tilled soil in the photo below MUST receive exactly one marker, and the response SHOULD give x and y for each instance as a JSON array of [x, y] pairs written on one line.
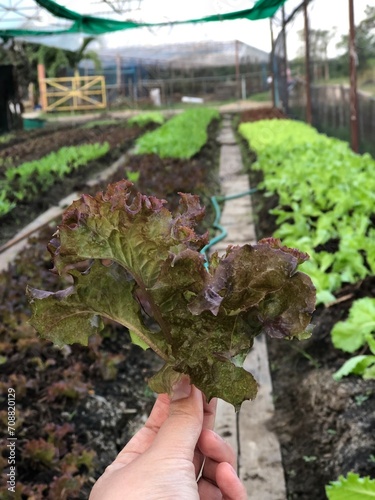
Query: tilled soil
[[120, 139], [36, 146], [266, 113]]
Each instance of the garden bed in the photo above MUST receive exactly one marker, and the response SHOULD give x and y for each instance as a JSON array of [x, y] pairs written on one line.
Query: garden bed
[[119, 138], [326, 428], [77, 407]]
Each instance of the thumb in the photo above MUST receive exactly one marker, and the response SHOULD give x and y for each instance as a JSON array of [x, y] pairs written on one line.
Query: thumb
[[179, 433]]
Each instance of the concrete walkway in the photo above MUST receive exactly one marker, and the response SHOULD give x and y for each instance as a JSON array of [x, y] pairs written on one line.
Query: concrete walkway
[[257, 447]]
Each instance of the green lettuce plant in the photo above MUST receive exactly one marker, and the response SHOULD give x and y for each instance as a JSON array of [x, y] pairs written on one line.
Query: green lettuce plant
[[351, 487], [6, 138], [180, 137], [143, 119], [326, 194], [27, 180], [133, 262], [5, 204], [350, 335]]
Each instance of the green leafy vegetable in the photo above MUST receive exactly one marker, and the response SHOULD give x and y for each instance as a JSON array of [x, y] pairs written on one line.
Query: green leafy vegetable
[[143, 119], [142, 268], [326, 197], [101, 123], [363, 365], [352, 334], [352, 487], [29, 179], [181, 137]]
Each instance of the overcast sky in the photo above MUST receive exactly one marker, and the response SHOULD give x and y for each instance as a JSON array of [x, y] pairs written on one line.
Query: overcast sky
[[324, 14]]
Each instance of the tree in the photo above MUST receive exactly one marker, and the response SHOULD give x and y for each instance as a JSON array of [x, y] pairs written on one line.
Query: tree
[[319, 42], [364, 39], [81, 54], [54, 59]]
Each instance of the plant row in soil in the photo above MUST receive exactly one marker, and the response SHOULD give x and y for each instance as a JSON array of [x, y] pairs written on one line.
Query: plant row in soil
[[77, 424], [78, 406], [120, 139], [326, 428]]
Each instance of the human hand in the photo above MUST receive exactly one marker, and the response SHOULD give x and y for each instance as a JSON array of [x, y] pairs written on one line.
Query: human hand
[[163, 460]]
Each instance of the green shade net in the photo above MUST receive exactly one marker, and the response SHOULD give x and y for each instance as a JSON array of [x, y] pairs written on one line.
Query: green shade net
[[92, 25]]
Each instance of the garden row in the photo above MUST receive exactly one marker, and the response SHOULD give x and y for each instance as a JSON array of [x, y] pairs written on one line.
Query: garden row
[[316, 195], [46, 163], [23, 181], [77, 406], [326, 199]]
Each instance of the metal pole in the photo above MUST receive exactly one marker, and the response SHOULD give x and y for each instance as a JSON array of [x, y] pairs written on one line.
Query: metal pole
[[307, 65], [354, 139], [118, 72], [237, 62], [285, 64], [272, 69]]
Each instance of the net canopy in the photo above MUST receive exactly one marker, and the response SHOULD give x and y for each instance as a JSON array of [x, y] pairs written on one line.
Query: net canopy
[[30, 14]]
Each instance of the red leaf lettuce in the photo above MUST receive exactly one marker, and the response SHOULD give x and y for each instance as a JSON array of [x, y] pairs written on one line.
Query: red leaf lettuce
[[134, 262]]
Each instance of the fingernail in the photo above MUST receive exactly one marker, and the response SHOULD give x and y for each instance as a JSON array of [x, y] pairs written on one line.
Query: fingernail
[[182, 389]]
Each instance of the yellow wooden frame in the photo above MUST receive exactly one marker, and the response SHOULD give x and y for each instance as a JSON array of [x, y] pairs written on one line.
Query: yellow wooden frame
[[73, 93]]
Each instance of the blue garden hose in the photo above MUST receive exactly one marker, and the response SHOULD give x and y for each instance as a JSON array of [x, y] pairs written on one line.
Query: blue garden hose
[[216, 224]]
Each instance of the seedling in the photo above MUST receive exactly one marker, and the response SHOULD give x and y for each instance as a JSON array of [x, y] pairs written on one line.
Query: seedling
[[309, 458], [144, 119]]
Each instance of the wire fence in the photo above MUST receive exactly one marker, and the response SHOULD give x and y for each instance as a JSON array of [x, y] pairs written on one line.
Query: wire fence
[[171, 91], [331, 112], [329, 76]]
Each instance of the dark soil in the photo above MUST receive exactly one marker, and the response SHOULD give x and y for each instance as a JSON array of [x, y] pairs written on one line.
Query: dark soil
[[25, 135], [35, 147], [79, 401], [78, 406], [254, 115], [326, 428]]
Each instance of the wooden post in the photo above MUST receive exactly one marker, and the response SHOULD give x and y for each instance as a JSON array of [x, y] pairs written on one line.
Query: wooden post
[[42, 86], [104, 91], [272, 69], [307, 65], [354, 139], [75, 86]]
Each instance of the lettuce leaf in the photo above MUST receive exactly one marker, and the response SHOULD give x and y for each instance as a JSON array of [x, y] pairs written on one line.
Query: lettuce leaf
[[352, 487], [134, 262], [351, 334]]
